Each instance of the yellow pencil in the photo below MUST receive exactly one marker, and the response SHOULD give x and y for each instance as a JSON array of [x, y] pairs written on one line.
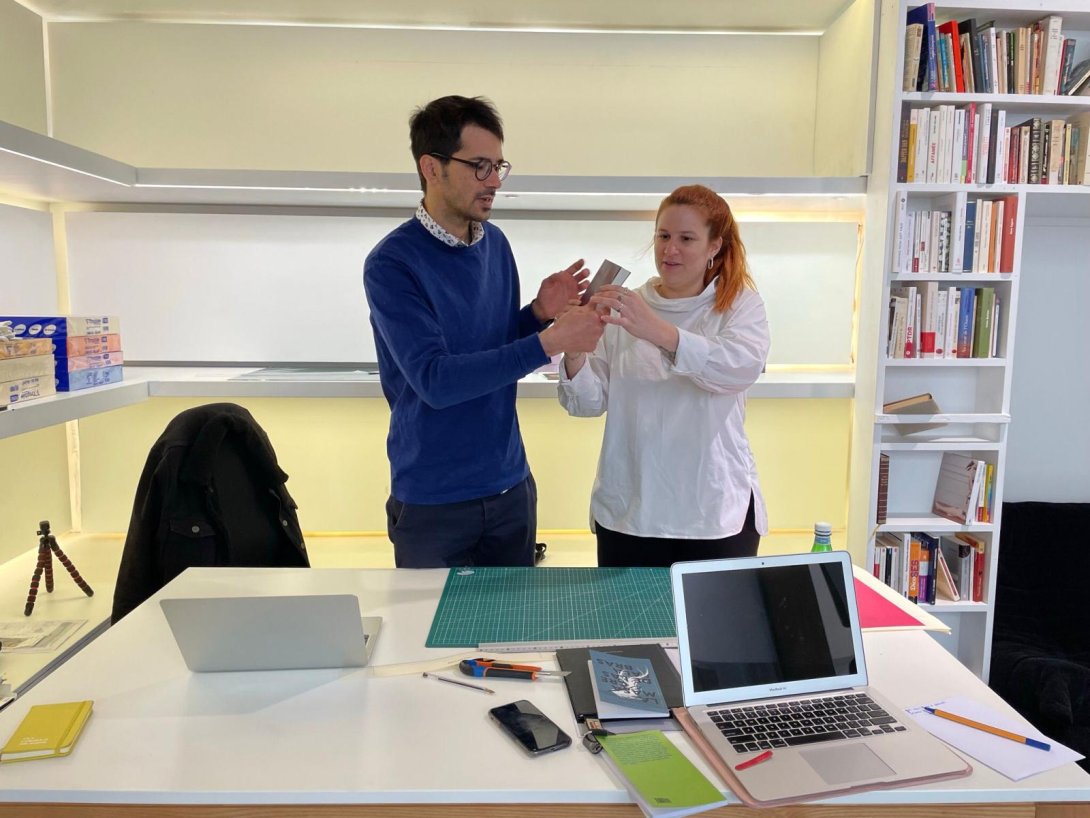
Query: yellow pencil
[[987, 728]]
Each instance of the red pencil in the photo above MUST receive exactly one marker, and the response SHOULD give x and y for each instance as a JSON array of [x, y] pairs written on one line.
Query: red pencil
[[757, 759]]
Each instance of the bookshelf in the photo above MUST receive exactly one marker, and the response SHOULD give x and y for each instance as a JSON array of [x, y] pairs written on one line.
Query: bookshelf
[[973, 393]]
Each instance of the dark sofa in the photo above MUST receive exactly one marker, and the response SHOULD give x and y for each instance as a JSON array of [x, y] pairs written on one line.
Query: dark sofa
[[1041, 638]]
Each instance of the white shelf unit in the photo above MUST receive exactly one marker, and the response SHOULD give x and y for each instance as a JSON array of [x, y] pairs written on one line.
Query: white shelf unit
[[974, 394], [39, 168], [142, 383]]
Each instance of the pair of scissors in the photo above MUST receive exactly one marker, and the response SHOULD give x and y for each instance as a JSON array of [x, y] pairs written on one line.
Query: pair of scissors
[[490, 667]]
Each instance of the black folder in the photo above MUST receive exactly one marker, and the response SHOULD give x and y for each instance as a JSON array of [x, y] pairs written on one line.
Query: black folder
[[580, 691]]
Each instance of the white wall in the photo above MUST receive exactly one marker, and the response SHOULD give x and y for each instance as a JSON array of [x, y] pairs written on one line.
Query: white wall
[[1048, 444], [218, 287], [28, 276]]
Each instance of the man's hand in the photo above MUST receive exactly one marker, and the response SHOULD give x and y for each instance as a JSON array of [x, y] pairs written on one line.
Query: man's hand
[[558, 290], [577, 330]]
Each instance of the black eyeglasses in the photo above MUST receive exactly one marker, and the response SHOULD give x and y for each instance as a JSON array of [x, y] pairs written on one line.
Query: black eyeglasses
[[482, 168]]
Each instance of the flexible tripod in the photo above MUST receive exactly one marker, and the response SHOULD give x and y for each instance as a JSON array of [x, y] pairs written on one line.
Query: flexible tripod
[[47, 546]]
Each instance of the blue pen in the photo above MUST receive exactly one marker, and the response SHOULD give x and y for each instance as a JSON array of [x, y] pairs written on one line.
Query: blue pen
[[987, 728]]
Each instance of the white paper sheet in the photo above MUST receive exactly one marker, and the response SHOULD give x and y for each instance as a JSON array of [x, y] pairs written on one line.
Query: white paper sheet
[[1012, 759]]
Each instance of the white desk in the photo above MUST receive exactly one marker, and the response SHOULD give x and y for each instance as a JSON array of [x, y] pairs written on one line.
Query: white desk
[[96, 558], [275, 742]]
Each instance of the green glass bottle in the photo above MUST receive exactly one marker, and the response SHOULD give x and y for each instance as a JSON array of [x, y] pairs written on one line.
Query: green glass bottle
[[822, 534]]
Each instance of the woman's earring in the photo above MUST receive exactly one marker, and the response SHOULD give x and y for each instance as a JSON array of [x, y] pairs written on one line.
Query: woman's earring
[[711, 261]]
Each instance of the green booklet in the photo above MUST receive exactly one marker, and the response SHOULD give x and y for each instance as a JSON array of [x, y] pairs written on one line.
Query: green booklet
[[660, 778]]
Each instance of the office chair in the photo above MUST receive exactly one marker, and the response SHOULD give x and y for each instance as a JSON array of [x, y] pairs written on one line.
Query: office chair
[[211, 494]]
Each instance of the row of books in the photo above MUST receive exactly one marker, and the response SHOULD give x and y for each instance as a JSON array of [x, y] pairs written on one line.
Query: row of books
[[965, 489], [973, 236], [938, 322], [949, 144], [928, 567], [40, 356], [974, 57]]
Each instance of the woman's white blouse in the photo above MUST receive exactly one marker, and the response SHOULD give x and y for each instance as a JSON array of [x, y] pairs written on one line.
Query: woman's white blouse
[[675, 459]]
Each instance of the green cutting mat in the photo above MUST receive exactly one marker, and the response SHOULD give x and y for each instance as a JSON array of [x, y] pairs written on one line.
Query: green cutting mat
[[516, 605]]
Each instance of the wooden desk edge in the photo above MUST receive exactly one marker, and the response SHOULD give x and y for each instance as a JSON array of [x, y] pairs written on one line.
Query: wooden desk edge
[[995, 810]]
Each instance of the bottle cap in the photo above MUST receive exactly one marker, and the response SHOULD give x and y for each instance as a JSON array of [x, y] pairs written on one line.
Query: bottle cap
[[823, 528]]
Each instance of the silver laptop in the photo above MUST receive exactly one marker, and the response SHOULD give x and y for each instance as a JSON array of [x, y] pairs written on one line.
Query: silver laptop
[[772, 659], [271, 632]]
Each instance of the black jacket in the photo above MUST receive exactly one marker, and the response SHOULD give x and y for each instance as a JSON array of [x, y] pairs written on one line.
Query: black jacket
[[211, 493]]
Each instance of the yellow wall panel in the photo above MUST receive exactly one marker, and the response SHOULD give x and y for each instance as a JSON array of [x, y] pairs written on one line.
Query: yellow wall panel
[[22, 67], [334, 451], [35, 487], [312, 98]]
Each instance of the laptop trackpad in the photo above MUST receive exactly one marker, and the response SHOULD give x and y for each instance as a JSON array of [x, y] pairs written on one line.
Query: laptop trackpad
[[840, 765]]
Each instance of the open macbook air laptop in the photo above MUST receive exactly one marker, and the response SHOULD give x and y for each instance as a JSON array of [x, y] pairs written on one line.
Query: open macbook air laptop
[[772, 659], [271, 632]]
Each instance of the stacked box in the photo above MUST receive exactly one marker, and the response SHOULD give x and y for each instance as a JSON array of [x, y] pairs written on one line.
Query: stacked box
[[26, 389], [70, 381], [86, 350], [24, 326], [26, 370]]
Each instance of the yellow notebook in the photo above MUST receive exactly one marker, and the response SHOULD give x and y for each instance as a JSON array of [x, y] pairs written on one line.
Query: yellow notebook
[[47, 730]]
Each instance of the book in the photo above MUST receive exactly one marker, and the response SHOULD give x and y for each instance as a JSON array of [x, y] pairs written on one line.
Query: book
[[47, 731], [1080, 75], [950, 28], [927, 77], [965, 322], [1080, 155], [929, 547], [1052, 44], [958, 556], [922, 404], [913, 41], [581, 692], [982, 336], [661, 780], [945, 586], [882, 510], [1010, 225], [956, 487], [979, 549], [625, 687]]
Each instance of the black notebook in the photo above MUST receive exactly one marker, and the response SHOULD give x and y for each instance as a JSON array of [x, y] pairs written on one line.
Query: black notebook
[[580, 691]]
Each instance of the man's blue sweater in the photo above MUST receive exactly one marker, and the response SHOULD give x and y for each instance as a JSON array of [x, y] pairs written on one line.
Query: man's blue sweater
[[452, 344]]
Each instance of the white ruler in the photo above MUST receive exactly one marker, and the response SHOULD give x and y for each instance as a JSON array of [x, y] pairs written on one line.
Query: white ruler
[[528, 647]]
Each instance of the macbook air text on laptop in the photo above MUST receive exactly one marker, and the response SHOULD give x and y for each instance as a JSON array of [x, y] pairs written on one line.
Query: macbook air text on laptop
[[271, 632], [772, 659]]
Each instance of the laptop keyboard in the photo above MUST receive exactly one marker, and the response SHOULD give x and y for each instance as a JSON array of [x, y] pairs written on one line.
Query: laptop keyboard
[[803, 721]]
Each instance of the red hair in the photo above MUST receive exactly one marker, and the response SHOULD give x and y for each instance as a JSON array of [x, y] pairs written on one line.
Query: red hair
[[729, 268]]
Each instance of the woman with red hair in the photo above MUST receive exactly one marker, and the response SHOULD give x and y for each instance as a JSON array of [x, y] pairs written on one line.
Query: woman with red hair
[[676, 478]]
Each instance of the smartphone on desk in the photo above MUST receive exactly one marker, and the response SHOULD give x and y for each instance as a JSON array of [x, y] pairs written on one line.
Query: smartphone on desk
[[534, 732]]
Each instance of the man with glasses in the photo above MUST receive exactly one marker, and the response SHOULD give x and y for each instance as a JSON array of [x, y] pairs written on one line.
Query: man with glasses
[[452, 342]]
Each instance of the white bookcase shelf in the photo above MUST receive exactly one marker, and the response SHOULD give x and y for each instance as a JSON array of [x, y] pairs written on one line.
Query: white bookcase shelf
[[922, 521], [975, 393]]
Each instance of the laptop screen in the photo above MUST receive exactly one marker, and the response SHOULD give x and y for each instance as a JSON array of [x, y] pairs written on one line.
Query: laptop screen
[[767, 626]]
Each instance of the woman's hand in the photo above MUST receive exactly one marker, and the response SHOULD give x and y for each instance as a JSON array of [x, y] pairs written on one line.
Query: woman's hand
[[627, 309]]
